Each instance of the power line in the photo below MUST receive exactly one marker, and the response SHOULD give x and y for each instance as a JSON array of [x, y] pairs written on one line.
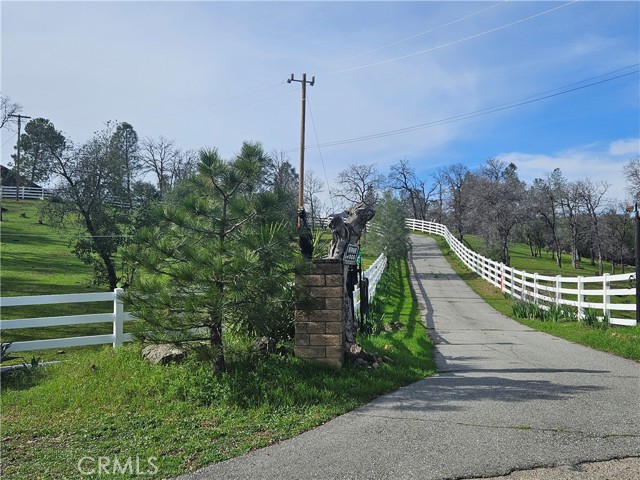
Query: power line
[[455, 42], [10, 138], [313, 123], [484, 111], [426, 31]]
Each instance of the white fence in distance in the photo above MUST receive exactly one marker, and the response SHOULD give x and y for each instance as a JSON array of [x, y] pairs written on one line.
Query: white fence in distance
[[117, 319], [577, 292], [25, 193], [373, 273]]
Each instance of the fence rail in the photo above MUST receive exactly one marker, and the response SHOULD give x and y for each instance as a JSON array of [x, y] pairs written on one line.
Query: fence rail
[[25, 193], [373, 273], [580, 293], [117, 318]]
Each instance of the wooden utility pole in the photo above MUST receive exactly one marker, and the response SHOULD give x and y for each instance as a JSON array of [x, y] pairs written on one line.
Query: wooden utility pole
[[637, 221], [19, 117], [304, 107]]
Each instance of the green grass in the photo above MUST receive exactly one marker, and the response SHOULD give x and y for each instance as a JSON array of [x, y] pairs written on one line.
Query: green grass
[[622, 341], [521, 259], [36, 259], [106, 402]]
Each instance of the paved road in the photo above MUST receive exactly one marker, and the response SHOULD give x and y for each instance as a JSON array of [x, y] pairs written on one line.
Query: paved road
[[507, 398]]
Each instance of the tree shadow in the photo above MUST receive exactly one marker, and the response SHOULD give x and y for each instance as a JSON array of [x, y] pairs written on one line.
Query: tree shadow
[[450, 392]]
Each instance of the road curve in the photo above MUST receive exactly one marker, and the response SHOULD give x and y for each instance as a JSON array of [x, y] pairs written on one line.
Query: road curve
[[507, 398]]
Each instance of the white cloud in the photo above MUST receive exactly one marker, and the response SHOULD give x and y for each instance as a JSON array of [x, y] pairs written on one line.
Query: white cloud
[[629, 147], [588, 161]]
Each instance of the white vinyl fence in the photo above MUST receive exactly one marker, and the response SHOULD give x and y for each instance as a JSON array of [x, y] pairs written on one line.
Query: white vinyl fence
[[117, 319], [25, 193], [579, 292], [373, 273]]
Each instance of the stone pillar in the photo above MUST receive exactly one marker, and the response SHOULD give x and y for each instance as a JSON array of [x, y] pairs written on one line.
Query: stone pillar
[[319, 327]]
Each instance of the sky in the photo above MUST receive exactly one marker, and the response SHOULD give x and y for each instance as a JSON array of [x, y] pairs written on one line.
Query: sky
[[541, 84]]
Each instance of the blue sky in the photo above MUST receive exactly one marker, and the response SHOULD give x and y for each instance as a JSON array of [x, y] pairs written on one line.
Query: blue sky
[[212, 74]]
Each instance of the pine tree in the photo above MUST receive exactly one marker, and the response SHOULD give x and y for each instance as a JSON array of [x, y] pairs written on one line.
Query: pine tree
[[388, 233], [214, 260]]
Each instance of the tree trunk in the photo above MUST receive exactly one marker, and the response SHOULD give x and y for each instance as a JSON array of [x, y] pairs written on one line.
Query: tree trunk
[[215, 339], [344, 233]]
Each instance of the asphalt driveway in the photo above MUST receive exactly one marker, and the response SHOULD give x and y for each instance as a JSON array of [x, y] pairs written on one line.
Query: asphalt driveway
[[506, 398]]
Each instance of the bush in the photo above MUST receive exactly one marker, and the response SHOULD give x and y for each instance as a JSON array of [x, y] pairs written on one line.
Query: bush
[[553, 313], [590, 318]]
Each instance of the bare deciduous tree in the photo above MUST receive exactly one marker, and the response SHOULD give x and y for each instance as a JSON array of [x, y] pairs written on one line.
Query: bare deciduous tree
[[413, 191], [313, 187], [455, 177], [8, 108], [632, 173], [359, 184], [159, 157], [497, 196], [546, 200], [573, 210], [592, 196]]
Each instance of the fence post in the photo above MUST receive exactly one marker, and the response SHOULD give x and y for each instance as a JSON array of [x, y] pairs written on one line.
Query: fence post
[[580, 298], [606, 299], [558, 287], [118, 318]]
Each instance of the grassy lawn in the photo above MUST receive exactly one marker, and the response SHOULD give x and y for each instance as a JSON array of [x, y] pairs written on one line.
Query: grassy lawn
[[35, 259], [622, 341], [106, 402], [521, 259]]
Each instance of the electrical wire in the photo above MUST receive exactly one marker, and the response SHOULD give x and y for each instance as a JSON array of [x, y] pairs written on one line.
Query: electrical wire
[[484, 111], [455, 42], [10, 138], [425, 32], [313, 123]]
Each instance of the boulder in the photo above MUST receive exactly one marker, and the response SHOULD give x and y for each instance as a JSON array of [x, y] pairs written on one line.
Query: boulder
[[265, 346], [163, 353]]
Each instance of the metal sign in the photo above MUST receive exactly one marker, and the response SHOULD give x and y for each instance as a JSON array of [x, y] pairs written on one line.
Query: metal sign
[[351, 254]]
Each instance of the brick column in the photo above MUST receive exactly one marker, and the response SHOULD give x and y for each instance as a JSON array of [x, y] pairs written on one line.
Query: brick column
[[319, 328]]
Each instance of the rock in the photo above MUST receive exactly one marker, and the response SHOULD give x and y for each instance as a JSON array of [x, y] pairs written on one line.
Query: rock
[[265, 346], [359, 362], [368, 357], [163, 353], [355, 350], [393, 326], [361, 358]]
